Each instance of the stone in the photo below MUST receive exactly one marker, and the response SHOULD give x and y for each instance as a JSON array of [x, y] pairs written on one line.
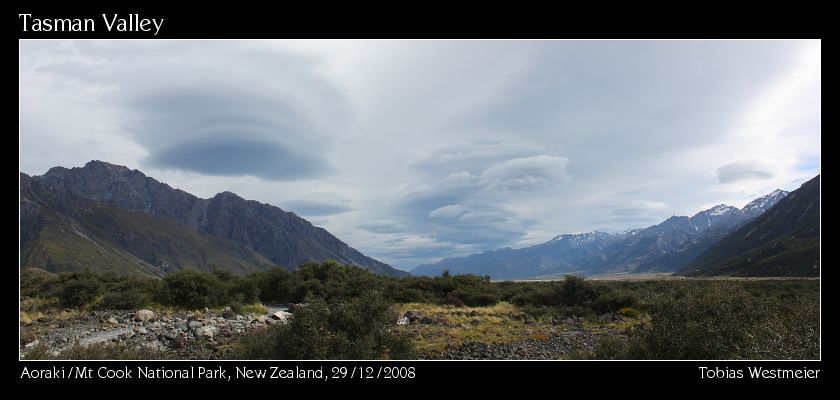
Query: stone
[[140, 330], [402, 321], [414, 316], [207, 332], [281, 315], [144, 316], [155, 345], [113, 321], [32, 343], [195, 324]]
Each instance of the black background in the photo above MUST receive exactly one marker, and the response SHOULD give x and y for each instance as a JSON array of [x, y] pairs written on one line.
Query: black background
[[446, 21]]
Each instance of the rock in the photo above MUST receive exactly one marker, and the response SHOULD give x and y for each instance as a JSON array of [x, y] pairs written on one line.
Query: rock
[[428, 321], [261, 319], [140, 330], [155, 345], [281, 315], [32, 343], [144, 316], [178, 343], [475, 322], [207, 332], [127, 335], [414, 316], [473, 313], [113, 321], [195, 324], [402, 321]]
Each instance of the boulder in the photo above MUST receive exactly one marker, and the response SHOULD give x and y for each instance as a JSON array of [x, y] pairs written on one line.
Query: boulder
[[207, 332], [113, 321], [414, 316], [144, 316], [281, 315], [195, 324]]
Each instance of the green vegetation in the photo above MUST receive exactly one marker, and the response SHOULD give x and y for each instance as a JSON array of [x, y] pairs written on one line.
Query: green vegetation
[[660, 319], [725, 320], [360, 328], [106, 351]]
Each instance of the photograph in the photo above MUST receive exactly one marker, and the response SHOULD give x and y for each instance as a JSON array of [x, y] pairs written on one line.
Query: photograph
[[416, 199]]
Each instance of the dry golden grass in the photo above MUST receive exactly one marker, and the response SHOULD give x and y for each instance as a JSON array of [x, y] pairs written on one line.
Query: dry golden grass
[[485, 327]]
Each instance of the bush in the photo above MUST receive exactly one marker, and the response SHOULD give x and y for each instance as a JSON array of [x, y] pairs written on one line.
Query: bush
[[80, 291], [629, 312], [353, 329], [194, 289], [720, 320], [128, 300]]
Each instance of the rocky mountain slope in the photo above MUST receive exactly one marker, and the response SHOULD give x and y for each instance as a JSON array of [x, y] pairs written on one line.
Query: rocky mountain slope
[[667, 246], [783, 241], [278, 237]]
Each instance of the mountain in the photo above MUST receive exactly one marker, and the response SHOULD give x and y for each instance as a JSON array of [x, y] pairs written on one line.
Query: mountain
[[783, 241], [577, 253], [667, 246], [281, 237], [62, 231]]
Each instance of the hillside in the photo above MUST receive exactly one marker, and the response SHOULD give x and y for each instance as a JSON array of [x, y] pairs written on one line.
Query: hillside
[[281, 237], [61, 231], [667, 246], [783, 241]]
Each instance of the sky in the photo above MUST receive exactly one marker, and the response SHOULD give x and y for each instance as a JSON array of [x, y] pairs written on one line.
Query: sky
[[413, 151]]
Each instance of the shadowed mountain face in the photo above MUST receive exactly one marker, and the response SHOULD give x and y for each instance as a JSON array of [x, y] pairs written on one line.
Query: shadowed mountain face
[[278, 236], [667, 246], [62, 231], [783, 241]]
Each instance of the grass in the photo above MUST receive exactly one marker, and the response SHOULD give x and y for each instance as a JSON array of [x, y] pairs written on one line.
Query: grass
[[501, 307], [485, 327], [255, 308]]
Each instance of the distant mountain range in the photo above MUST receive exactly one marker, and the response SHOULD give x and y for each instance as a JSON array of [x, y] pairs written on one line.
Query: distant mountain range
[[668, 246], [110, 218], [783, 241]]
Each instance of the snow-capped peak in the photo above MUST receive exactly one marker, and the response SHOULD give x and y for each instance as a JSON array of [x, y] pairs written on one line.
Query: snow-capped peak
[[721, 209], [763, 203]]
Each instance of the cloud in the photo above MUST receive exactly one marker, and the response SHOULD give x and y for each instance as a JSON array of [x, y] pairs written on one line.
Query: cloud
[[525, 174], [529, 139], [450, 211], [195, 108], [315, 208], [744, 170], [383, 226]]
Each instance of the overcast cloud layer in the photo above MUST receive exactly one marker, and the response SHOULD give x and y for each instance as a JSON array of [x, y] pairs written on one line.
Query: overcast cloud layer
[[411, 151]]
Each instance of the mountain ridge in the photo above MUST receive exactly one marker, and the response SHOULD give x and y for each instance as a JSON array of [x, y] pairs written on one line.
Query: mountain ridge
[[280, 236], [782, 241], [667, 246]]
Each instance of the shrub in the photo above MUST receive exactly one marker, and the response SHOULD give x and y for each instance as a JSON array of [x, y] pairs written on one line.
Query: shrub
[[80, 291], [722, 321], [194, 289], [352, 329], [629, 312]]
